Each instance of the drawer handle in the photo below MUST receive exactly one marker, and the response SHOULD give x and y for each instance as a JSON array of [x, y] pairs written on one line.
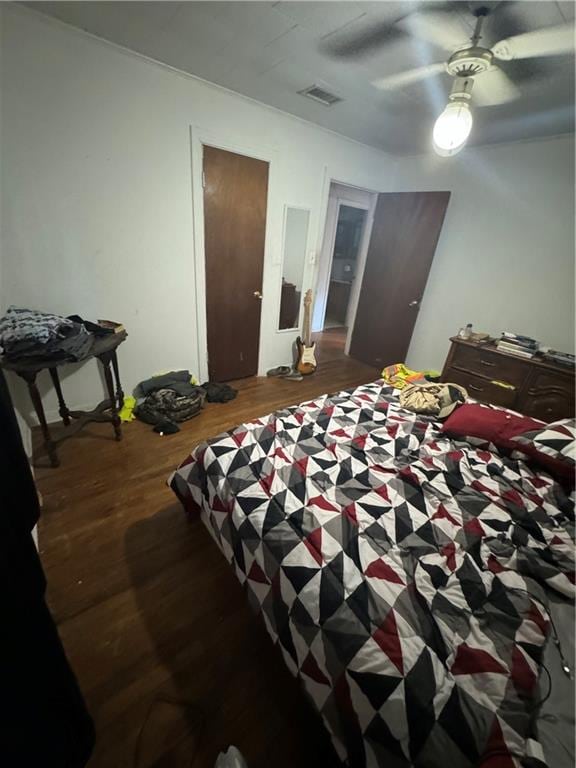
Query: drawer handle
[[489, 365], [475, 389]]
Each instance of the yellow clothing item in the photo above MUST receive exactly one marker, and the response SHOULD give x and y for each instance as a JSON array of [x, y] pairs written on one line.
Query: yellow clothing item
[[126, 412], [399, 375]]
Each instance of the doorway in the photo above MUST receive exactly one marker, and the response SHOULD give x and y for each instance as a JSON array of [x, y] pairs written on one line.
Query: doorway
[[341, 264], [235, 201], [349, 228]]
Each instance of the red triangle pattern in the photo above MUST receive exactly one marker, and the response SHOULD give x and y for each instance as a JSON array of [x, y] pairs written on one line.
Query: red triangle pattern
[[320, 501], [220, 506], [266, 482], [279, 454], [535, 616], [449, 552], [381, 570], [494, 565], [301, 465], [443, 514], [475, 661], [257, 574], [474, 528], [496, 746], [383, 492], [313, 671], [238, 437], [522, 675], [350, 513], [513, 496], [339, 433], [387, 638], [313, 543]]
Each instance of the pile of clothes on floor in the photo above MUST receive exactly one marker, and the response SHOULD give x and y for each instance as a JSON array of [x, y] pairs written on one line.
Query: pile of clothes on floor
[[27, 334], [170, 398]]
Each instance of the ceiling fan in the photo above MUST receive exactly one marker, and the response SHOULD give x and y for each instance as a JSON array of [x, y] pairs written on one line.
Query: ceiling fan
[[474, 67]]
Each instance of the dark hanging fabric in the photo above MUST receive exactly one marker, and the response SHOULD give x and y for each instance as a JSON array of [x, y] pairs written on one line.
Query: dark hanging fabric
[[43, 718]]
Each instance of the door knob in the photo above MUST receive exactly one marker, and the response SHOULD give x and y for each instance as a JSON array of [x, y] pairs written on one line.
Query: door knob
[[258, 295], [414, 303]]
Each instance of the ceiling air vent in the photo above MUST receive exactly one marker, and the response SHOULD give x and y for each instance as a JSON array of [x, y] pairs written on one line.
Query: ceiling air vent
[[319, 94]]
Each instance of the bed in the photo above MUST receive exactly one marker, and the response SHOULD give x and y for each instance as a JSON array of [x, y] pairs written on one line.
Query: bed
[[405, 576]]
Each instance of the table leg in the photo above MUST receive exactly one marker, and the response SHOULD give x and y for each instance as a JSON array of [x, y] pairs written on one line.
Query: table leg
[[119, 392], [113, 406], [63, 410], [30, 379]]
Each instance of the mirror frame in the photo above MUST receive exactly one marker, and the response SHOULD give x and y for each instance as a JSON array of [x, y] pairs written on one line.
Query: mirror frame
[[296, 327]]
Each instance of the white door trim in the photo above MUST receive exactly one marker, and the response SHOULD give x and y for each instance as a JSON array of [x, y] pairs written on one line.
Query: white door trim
[[359, 276], [199, 138]]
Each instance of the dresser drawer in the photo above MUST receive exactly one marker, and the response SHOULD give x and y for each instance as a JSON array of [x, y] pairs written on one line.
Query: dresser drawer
[[483, 362], [548, 396], [481, 389]]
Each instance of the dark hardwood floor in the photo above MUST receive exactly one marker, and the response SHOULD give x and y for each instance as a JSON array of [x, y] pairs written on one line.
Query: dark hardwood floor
[[147, 606], [330, 344]]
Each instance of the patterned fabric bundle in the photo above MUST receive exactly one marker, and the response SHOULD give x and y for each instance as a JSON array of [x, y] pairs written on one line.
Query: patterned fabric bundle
[[29, 333], [403, 574], [168, 404]]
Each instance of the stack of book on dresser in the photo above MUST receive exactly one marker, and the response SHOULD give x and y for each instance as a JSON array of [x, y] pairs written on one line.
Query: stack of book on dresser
[[522, 346]]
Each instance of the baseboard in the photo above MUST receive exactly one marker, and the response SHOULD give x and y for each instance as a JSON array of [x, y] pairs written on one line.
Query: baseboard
[[53, 417]]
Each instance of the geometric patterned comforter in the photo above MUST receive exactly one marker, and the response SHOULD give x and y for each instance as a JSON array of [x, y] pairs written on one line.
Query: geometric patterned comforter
[[402, 573]]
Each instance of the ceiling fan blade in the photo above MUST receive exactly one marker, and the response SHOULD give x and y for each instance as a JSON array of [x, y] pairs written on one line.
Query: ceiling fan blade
[[441, 30], [492, 88], [362, 43], [552, 41], [410, 76]]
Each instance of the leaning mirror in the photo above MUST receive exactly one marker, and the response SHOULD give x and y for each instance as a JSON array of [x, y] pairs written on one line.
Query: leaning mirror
[[293, 262]]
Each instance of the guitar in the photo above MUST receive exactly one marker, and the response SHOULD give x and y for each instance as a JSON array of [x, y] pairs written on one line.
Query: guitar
[[306, 363]]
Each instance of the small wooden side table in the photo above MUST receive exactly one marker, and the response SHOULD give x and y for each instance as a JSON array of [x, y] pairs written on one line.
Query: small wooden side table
[[104, 349]]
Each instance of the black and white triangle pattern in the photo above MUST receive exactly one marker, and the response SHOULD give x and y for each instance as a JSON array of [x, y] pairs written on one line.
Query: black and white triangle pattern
[[395, 569]]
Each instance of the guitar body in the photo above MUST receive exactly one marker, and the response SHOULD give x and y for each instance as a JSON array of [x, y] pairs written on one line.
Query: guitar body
[[306, 361]]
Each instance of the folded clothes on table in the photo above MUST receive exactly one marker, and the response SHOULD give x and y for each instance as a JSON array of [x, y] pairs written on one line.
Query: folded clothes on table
[[28, 333]]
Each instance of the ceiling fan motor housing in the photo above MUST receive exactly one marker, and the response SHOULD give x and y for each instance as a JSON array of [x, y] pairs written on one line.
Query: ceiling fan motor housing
[[469, 62]]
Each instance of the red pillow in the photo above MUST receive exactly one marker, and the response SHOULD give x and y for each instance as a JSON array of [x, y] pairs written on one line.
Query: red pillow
[[495, 425]]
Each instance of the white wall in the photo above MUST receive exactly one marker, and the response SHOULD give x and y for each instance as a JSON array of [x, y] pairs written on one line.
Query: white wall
[[505, 259], [97, 208], [96, 175]]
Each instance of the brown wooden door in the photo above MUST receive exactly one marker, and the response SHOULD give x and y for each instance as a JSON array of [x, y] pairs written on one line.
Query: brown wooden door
[[235, 193], [402, 244]]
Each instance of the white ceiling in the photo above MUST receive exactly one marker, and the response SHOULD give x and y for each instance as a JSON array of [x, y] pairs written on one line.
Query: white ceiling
[[271, 50]]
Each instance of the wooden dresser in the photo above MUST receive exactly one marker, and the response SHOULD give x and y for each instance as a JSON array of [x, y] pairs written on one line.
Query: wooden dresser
[[540, 389]]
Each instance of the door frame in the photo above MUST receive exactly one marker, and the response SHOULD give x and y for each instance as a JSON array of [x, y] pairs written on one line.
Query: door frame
[[200, 137], [325, 265]]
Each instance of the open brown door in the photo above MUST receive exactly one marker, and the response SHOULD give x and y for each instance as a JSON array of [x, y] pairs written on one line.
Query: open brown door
[[402, 244], [235, 194]]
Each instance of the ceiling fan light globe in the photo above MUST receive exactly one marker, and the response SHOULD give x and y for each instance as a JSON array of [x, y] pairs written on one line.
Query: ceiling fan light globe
[[452, 128]]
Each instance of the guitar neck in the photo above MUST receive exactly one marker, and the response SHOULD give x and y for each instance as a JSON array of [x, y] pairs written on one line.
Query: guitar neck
[[306, 335]]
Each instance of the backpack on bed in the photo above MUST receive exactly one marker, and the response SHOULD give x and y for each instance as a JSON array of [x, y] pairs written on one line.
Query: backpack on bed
[[437, 400]]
